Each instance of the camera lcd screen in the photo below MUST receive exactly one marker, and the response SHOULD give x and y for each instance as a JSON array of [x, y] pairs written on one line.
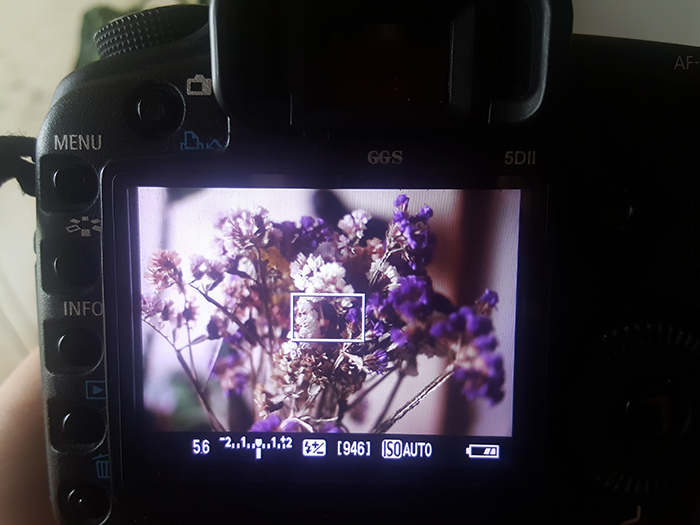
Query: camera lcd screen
[[300, 322]]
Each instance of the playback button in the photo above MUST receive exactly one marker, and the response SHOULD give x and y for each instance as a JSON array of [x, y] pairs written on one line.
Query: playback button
[[83, 425]]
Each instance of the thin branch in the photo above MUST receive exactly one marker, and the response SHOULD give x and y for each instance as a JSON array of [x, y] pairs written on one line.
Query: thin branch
[[413, 403], [385, 259], [402, 375], [247, 332], [367, 390], [262, 276], [212, 365], [216, 424], [189, 346]]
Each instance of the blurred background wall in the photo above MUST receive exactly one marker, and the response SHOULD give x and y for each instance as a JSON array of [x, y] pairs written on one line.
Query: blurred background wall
[[39, 42]]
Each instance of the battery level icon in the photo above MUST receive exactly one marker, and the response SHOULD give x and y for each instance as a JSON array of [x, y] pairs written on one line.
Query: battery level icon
[[484, 451]]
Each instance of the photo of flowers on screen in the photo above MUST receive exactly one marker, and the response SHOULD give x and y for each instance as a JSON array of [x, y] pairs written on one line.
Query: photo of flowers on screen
[[259, 315]]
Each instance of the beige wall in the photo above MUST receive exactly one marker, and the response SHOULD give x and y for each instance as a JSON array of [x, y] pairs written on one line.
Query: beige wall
[[38, 47], [675, 21]]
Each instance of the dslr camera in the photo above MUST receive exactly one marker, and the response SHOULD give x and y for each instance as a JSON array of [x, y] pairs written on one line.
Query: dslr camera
[[369, 261]]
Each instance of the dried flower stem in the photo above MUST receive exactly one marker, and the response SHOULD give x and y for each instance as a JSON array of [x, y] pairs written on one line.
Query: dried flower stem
[[265, 297], [189, 348], [375, 276], [402, 375], [211, 366], [413, 403], [248, 333], [367, 390], [216, 424]]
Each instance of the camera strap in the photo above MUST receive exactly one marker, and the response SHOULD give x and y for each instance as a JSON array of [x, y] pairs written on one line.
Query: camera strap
[[15, 153]]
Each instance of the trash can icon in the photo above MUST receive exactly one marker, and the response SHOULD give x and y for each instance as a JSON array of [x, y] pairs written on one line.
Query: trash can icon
[[102, 466]]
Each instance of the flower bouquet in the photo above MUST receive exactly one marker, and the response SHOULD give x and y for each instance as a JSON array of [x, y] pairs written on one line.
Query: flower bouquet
[[308, 319]]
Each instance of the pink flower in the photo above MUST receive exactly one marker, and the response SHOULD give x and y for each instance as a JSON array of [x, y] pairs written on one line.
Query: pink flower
[[164, 270]]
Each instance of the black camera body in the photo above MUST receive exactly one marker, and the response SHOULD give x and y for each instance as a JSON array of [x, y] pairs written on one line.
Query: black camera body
[[354, 261]]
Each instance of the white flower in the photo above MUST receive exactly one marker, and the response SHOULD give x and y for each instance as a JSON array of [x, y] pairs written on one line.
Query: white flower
[[313, 275], [290, 350], [354, 224], [242, 229], [384, 271], [306, 323]]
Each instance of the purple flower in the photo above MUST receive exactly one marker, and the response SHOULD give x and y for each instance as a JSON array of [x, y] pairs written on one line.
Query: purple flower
[[476, 324], [398, 336], [375, 311], [374, 302], [235, 339], [410, 299], [485, 343], [413, 233], [304, 238], [376, 362], [465, 322], [401, 201], [231, 374], [308, 223], [401, 217], [376, 328], [454, 324], [496, 377], [425, 213], [351, 316], [483, 380], [489, 297], [271, 424]]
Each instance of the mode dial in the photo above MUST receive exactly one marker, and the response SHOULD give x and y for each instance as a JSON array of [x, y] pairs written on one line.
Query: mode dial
[[150, 28]]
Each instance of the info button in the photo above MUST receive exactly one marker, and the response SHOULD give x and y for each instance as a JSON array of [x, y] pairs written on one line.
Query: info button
[[80, 346]]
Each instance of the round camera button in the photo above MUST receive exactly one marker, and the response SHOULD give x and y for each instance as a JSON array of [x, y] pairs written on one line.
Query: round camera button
[[88, 502], [80, 347], [75, 184], [83, 425], [153, 107], [77, 267], [160, 112]]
